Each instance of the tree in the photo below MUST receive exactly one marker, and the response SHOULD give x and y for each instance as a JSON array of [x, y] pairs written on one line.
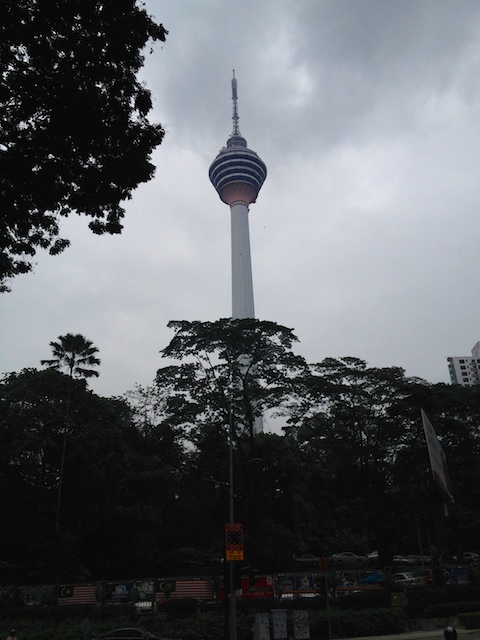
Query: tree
[[245, 366], [32, 426], [361, 432], [74, 133], [361, 427], [231, 369], [74, 353]]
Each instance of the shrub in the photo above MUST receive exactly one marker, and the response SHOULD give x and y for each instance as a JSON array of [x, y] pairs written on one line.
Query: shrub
[[181, 607], [421, 597], [449, 609], [470, 620], [365, 600], [351, 623], [462, 593]]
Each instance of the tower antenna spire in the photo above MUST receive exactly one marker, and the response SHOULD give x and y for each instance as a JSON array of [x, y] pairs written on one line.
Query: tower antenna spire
[[236, 130]]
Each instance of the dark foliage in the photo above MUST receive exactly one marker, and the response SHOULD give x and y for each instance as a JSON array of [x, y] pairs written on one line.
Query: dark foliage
[[146, 484], [74, 132]]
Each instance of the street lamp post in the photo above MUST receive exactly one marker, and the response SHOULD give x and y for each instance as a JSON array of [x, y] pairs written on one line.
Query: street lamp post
[[231, 516], [231, 494]]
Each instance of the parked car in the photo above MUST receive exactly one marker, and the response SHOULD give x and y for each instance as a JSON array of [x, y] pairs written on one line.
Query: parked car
[[426, 575], [128, 633], [347, 557], [376, 577], [471, 556], [419, 560], [372, 557], [401, 560], [307, 557], [406, 578]]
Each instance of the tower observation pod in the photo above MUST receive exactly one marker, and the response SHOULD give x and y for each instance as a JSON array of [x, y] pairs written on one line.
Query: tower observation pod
[[237, 173]]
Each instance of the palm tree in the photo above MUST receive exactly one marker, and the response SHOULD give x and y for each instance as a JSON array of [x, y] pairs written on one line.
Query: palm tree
[[74, 353]]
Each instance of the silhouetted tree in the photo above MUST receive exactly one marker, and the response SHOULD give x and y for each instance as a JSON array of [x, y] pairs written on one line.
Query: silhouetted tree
[[32, 427], [74, 132], [75, 354]]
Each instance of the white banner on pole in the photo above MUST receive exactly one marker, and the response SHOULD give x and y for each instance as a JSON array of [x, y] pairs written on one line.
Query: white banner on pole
[[279, 624], [301, 627], [438, 461]]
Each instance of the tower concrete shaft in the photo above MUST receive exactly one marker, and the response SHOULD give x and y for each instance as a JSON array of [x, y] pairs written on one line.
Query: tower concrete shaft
[[242, 281]]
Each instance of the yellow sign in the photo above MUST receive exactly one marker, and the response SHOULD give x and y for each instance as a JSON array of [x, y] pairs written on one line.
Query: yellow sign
[[234, 541]]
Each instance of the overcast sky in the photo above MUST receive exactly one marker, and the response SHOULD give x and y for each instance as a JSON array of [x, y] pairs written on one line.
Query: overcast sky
[[365, 236]]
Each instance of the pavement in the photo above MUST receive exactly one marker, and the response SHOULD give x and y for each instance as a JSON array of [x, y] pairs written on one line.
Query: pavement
[[464, 634]]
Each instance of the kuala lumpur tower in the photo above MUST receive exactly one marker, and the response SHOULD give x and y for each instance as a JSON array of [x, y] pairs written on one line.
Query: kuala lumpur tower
[[237, 173]]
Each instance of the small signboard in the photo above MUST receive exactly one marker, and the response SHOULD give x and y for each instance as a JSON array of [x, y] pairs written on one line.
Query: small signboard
[[233, 541]]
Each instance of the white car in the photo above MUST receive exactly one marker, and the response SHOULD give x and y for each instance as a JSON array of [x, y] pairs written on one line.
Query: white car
[[347, 557], [372, 556], [419, 559], [402, 560], [307, 557], [406, 578]]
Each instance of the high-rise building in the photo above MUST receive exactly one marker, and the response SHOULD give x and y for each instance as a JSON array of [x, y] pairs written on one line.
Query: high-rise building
[[465, 370], [237, 173]]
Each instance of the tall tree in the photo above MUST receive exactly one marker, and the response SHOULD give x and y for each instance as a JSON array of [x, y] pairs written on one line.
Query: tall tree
[[229, 370], [74, 132], [246, 366], [74, 354], [360, 425]]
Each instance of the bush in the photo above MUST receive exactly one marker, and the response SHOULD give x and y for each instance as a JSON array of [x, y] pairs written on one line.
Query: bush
[[462, 593], [210, 625], [181, 607], [365, 600], [203, 626], [368, 622], [450, 609], [470, 620], [421, 597]]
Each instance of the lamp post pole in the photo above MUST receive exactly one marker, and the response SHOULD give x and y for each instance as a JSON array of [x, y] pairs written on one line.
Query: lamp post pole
[[231, 494]]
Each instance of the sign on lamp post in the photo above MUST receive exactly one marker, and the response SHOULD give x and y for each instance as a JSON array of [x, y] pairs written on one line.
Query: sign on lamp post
[[234, 541]]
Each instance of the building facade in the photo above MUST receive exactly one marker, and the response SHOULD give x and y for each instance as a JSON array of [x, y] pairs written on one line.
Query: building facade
[[465, 370]]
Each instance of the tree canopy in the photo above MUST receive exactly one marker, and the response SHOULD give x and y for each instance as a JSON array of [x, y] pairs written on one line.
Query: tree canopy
[[246, 366], [145, 481], [75, 354], [33, 405], [74, 133]]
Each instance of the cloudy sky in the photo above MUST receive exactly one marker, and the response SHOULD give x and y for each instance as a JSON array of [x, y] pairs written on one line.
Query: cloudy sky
[[365, 235]]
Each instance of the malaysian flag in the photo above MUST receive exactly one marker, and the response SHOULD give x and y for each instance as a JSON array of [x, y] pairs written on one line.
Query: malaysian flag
[[200, 588], [78, 594]]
